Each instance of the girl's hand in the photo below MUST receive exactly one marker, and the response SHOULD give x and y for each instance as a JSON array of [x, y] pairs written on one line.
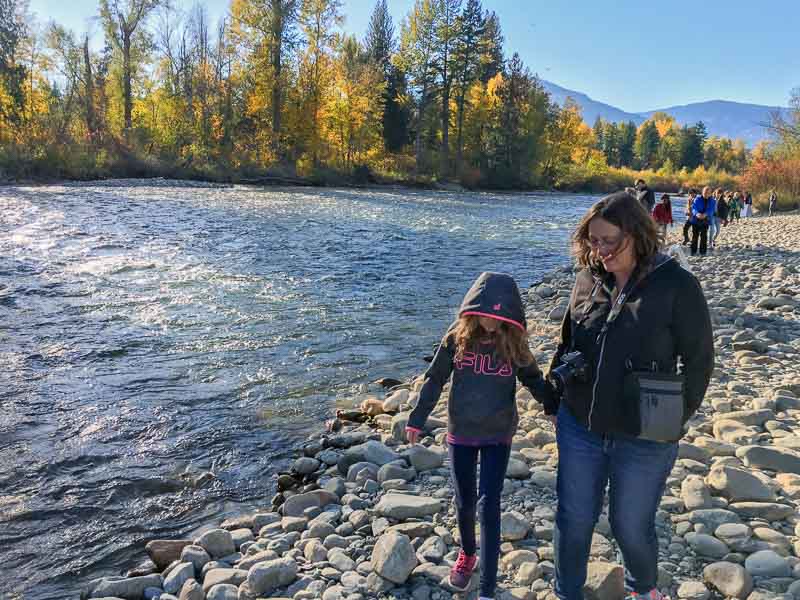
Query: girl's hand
[[553, 419], [412, 436]]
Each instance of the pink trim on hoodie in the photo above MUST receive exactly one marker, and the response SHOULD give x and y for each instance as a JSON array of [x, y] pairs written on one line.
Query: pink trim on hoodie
[[491, 316]]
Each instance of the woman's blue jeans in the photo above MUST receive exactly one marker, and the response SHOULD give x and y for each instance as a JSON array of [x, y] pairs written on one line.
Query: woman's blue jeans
[[636, 472]]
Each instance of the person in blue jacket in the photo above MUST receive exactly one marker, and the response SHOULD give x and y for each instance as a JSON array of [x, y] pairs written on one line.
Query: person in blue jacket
[[702, 207]]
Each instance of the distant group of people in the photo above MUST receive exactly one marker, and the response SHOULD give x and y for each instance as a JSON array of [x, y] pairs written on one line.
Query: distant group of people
[[706, 212]]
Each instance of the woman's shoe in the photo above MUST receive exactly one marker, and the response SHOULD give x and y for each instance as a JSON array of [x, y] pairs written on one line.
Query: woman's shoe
[[461, 573]]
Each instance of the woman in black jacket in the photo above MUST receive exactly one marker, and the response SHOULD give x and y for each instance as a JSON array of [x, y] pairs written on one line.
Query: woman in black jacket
[[632, 311]]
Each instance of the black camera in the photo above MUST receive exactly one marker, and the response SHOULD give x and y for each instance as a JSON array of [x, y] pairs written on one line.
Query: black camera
[[573, 367]]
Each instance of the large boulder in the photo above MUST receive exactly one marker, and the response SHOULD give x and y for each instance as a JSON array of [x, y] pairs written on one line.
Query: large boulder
[[400, 420], [217, 542], [128, 588], [767, 563], [393, 557], [403, 506], [737, 485], [192, 590], [604, 581], [755, 418], [178, 576], [775, 459], [513, 526], [223, 575], [395, 471], [707, 545], [730, 579], [770, 511], [164, 552], [424, 459], [694, 493], [296, 505], [265, 577], [517, 469], [713, 517], [395, 401], [224, 591]]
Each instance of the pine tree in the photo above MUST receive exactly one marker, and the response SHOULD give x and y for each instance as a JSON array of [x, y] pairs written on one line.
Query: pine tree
[[467, 54], [647, 142], [444, 61], [491, 44], [380, 45]]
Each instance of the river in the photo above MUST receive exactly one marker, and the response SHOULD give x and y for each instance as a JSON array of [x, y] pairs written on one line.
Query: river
[[165, 345]]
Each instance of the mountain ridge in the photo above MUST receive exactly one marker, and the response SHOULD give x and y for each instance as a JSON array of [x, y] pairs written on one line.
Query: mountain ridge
[[724, 118]]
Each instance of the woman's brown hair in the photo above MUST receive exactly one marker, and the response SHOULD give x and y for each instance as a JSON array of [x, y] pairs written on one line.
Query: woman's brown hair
[[511, 342], [626, 212]]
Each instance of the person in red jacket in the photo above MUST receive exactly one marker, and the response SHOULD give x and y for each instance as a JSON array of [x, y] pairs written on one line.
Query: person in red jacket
[[662, 214]]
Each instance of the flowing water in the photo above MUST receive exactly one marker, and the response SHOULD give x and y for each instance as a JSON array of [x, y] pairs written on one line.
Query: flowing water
[[164, 346]]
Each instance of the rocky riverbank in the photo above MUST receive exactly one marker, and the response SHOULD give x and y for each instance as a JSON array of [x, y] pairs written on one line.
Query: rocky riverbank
[[363, 515]]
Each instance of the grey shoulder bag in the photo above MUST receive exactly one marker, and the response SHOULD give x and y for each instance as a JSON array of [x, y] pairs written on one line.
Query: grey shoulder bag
[[658, 397]]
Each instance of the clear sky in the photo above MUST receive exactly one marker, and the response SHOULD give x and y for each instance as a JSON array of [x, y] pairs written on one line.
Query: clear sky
[[636, 55]]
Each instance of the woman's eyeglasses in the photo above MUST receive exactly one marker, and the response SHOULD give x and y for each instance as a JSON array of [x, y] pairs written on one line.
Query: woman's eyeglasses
[[607, 243]]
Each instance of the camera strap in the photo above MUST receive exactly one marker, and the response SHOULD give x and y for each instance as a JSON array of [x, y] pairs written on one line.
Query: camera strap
[[619, 304]]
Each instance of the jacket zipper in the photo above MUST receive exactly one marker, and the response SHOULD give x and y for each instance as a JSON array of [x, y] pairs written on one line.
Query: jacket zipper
[[597, 379]]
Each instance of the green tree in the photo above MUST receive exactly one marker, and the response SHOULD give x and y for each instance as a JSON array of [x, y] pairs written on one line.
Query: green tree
[[647, 143], [447, 34], [416, 58], [492, 59], [380, 46], [123, 22], [627, 143], [467, 65]]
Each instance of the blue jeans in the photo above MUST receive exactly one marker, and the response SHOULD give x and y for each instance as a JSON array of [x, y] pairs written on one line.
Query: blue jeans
[[463, 465], [713, 228], [636, 471]]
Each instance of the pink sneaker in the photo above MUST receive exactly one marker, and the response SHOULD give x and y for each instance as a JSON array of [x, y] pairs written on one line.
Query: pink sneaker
[[461, 573], [653, 594]]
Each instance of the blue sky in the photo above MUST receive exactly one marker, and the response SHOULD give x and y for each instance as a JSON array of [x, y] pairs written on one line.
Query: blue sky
[[632, 54]]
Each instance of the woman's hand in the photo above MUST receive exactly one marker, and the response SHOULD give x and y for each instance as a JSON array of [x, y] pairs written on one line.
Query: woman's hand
[[412, 435], [553, 419]]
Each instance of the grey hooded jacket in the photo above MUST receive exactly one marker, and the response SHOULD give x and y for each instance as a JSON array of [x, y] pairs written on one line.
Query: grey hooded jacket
[[482, 406]]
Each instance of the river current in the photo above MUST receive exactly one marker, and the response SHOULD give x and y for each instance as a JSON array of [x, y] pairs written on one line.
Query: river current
[[164, 346]]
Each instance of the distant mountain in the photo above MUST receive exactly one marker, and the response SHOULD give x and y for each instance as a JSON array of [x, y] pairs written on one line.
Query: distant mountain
[[591, 108], [721, 117]]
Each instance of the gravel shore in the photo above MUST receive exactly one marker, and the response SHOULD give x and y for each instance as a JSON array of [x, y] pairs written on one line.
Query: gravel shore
[[363, 515]]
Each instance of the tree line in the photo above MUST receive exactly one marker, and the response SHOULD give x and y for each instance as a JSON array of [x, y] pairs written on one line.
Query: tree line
[[277, 87]]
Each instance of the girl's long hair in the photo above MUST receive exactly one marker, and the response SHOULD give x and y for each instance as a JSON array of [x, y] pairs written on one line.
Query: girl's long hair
[[511, 342]]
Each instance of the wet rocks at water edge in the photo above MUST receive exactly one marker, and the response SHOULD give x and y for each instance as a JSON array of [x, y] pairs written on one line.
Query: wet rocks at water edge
[[362, 515]]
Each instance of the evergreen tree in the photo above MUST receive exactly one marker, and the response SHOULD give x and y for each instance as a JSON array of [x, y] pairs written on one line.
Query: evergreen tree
[[467, 65], [380, 46], [692, 140], [491, 45], [598, 130], [12, 72], [647, 143], [444, 60], [627, 143]]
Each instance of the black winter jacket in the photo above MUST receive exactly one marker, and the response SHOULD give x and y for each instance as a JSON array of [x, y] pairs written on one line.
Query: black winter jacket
[[664, 322]]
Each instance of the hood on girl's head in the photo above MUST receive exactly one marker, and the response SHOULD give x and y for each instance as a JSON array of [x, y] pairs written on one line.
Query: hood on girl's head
[[495, 295]]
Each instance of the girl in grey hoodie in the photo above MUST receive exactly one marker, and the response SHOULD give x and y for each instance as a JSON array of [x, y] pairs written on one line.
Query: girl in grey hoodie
[[486, 351]]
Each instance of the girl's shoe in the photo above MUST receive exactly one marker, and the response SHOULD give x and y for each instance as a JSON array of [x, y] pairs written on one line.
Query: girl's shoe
[[461, 573], [653, 594]]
